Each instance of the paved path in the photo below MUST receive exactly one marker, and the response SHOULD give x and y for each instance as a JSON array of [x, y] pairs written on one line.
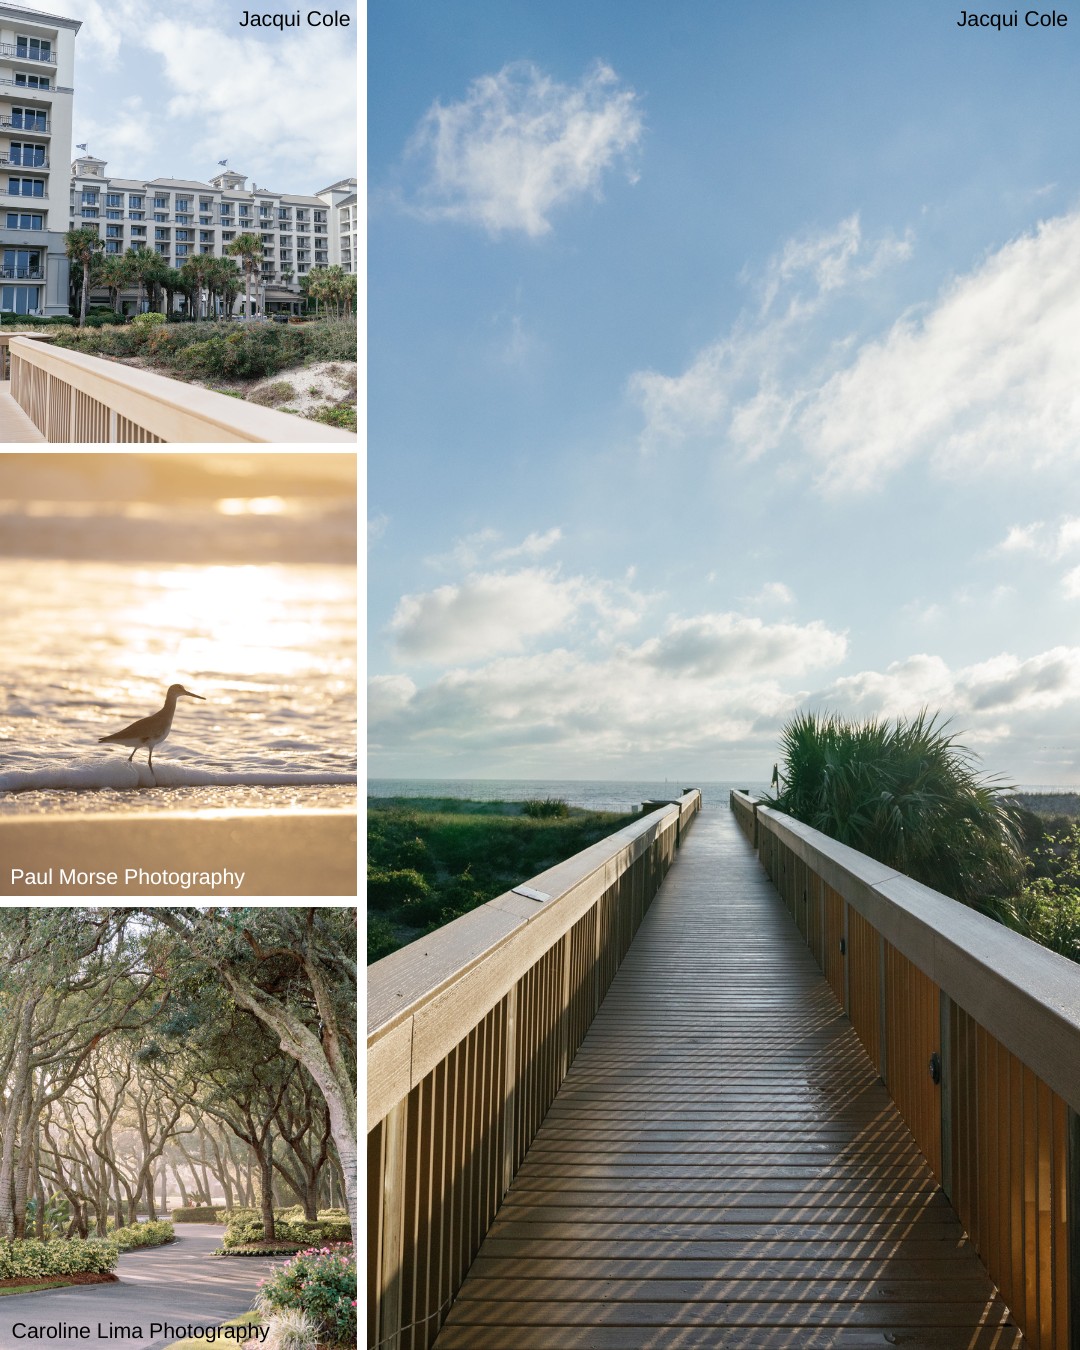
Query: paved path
[[15, 427], [722, 1166], [180, 1283]]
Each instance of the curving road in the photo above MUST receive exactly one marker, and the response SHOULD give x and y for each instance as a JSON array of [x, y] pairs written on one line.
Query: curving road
[[180, 1283]]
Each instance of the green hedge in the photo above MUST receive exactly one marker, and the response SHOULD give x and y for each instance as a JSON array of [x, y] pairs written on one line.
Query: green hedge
[[152, 1233], [196, 1214], [76, 1256], [243, 1232]]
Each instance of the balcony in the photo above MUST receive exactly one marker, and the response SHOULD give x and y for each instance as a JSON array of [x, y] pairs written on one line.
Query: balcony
[[6, 49], [36, 126], [22, 274], [31, 91], [6, 162]]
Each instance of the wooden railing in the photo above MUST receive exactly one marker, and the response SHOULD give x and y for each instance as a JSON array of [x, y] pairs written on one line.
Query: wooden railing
[[75, 399], [471, 1030], [975, 1032], [41, 335]]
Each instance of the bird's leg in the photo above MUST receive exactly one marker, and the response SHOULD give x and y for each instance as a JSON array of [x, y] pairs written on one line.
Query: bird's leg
[[132, 755], [150, 757]]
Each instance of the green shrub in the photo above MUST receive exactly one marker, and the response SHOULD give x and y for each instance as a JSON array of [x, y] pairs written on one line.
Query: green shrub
[[390, 889], [381, 939], [242, 1232], [150, 319], [342, 416], [152, 1233], [195, 1214], [321, 1284], [546, 808], [76, 1256]]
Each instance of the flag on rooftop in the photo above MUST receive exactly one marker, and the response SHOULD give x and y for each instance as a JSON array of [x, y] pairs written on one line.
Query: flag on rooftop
[[224, 163], [81, 147]]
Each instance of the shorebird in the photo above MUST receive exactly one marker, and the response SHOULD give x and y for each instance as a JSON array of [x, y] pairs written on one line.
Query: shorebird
[[152, 730]]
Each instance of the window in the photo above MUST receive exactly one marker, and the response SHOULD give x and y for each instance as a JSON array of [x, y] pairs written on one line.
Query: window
[[206, 236], [301, 215], [26, 187], [114, 215], [185, 234], [183, 203], [28, 119], [183, 220], [33, 49], [17, 220], [161, 215], [161, 203], [206, 203], [89, 197], [113, 246], [135, 203], [161, 234], [30, 156], [139, 230], [32, 81], [206, 220], [114, 231], [182, 250], [137, 215], [162, 250], [89, 213], [24, 263], [244, 209], [20, 299], [285, 256], [320, 258], [282, 214], [114, 199], [228, 236], [320, 217], [207, 248], [320, 229]]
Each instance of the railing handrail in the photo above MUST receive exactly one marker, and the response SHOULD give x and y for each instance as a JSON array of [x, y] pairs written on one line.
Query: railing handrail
[[505, 936], [1025, 995], [176, 412]]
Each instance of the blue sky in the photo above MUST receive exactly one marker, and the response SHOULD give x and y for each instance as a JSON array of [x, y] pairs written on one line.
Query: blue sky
[[723, 363], [166, 91]]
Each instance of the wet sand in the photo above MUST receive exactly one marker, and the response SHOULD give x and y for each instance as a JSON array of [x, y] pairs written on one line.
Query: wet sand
[[187, 853]]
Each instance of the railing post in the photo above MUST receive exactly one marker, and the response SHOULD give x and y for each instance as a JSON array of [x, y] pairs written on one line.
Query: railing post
[[510, 1091], [391, 1224], [883, 1013], [566, 962], [945, 1006], [1072, 1216]]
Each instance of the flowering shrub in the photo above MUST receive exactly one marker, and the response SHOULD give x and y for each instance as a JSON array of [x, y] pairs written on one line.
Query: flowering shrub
[[150, 1234], [322, 1283], [79, 1256]]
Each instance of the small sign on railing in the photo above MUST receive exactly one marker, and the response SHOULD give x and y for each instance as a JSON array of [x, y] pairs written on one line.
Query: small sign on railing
[[530, 894]]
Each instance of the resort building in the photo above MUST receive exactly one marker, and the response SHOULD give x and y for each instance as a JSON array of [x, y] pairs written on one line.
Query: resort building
[[37, 68], [180, 218]]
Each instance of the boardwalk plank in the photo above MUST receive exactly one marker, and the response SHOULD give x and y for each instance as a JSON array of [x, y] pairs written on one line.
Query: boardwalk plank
[[722, 1166]]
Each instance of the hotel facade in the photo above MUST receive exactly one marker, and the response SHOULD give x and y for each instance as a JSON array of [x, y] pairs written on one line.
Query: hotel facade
[[181, 218], [37, 66], [43, 193]]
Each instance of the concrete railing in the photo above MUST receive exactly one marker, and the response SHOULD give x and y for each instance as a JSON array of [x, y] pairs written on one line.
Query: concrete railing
[[471, 1031], [74, 399], [975, 1032]]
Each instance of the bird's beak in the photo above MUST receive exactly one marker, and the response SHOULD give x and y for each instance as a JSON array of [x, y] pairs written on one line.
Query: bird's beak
[[191, 695]]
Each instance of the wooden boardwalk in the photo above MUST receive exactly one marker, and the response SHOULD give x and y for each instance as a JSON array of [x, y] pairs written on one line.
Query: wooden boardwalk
[[722, 1166], [15, 427]]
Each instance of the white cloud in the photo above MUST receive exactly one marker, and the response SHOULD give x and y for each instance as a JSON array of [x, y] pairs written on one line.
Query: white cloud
[[501, 612], [773, 593], [532, 546], [984, 377], [741, 387], [987, 377], [1045, 541], [520, 144], [712, 644], [1071, 584]]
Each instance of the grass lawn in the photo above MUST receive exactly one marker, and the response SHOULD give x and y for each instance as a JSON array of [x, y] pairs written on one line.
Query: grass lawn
[[34, 1286], [248, 1319], [431, 858]]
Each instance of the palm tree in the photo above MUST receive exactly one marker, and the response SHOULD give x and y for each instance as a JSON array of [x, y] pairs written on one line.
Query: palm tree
[[172, 284], [248, 248], [229, 275], [189, 286], [115, 272], [906, 793], [143, 264], [82, 246]]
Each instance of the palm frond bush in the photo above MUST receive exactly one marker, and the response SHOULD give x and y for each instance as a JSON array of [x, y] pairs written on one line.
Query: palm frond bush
[[906, 793]]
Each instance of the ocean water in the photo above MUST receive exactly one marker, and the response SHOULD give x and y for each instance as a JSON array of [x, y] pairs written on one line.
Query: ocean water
[[595, 794], [90, 642]]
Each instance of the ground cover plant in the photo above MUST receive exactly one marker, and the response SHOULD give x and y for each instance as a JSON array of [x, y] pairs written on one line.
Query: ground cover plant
[[432, 859], [319, 1283], [1047, 906], [904, 792]]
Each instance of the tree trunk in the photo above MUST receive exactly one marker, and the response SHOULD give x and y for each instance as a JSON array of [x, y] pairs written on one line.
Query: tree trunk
[[266, 1186]]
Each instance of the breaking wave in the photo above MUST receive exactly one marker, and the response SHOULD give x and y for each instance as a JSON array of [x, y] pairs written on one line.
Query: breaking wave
[[120, 774]]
